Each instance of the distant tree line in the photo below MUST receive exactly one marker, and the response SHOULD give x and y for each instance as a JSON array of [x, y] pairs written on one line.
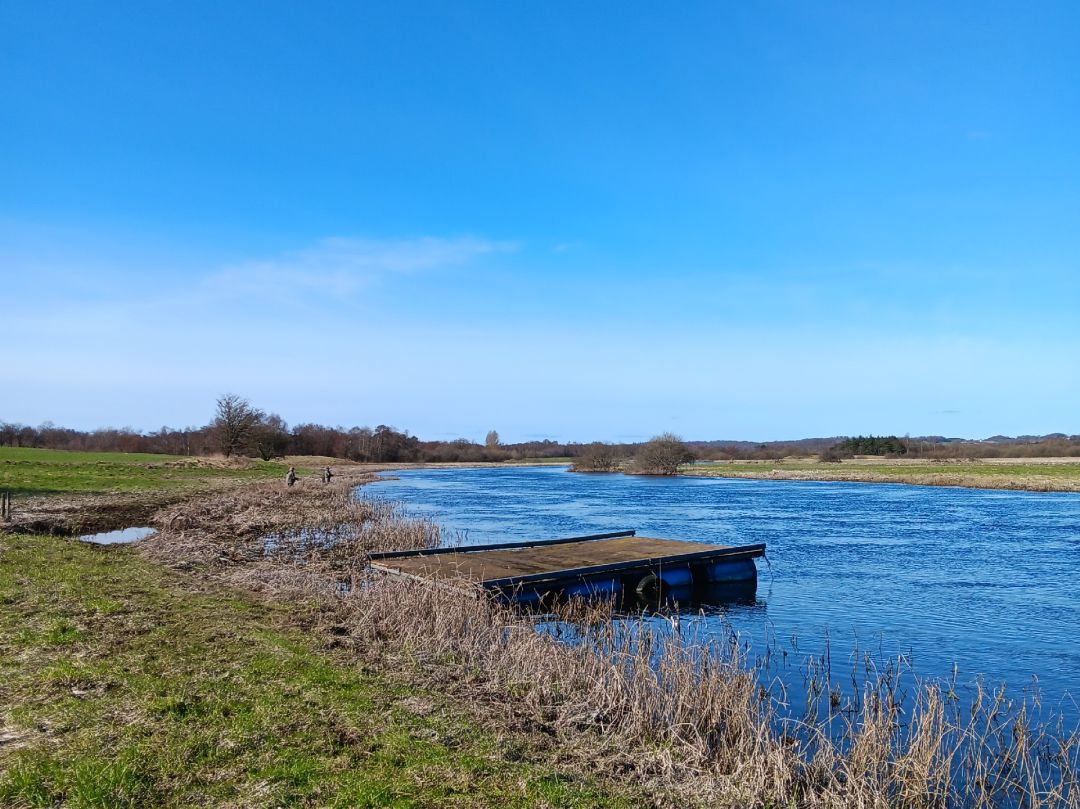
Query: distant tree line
[[1056, 445], [759, 451], [873, 445], [239, 428], [940, 448]]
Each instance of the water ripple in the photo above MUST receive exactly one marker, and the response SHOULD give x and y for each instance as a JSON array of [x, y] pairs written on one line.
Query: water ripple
[[987, 579]]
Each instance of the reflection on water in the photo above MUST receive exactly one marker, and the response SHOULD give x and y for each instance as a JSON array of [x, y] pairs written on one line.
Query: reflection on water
[[988, 580], [120, 536], [704, 598]]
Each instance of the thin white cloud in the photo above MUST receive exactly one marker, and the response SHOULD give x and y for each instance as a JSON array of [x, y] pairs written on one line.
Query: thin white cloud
[[343, 266]]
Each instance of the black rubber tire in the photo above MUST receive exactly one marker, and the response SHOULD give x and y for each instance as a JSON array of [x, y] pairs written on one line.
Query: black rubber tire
[[649, 587]]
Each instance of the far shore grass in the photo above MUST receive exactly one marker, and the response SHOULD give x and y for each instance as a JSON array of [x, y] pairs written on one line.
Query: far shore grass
[[1039, 474]]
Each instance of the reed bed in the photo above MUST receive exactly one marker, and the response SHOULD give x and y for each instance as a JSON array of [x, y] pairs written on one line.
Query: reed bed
[[313, 526], [697, 720]]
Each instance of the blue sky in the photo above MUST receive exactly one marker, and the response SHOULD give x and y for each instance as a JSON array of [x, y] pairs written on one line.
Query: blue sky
[[566, 220]]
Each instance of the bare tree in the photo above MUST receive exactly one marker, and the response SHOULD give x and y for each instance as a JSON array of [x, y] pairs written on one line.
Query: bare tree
[[596, 457], [270, 437], [491, 441], [235, 423], [662, 455]]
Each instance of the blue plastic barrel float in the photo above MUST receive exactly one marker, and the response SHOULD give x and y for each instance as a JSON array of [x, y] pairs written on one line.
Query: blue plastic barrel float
[[708, 581], [721, 572], [593, 589], [665, 584], [541, 597]]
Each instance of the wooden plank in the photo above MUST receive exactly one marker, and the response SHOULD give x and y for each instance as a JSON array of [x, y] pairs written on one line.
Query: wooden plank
[[728, 554], [478, 566], [533, 543]]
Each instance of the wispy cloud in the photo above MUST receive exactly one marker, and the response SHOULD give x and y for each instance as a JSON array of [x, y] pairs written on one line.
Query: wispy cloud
[[342, 266]]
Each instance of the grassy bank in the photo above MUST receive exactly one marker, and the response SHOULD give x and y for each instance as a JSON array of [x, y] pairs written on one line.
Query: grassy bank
[[25, 471], [124, 684], [71, 493], [1047, 475]]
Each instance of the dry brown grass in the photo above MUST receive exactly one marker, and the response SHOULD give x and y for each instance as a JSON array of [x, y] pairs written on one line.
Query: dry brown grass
[[693, 720], [1057, 474], [1026, 482], [311, 526], [74, 514]]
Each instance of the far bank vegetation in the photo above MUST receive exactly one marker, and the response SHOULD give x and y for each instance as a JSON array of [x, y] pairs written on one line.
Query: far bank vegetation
[[239, 428], [888, 446], [661, 455], [598, 457]]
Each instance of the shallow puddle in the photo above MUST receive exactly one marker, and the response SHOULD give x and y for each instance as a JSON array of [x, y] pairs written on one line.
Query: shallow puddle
[[114, 537]]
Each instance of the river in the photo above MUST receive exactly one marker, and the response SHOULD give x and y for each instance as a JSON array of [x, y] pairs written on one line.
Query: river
[[988, 580]]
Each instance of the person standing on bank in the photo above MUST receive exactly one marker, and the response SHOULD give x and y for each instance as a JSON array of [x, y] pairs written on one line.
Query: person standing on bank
[[290, 476], [326, 475]]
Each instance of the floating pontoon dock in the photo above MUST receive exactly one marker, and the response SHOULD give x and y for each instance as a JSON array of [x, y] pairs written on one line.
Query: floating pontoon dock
[[604, 565]]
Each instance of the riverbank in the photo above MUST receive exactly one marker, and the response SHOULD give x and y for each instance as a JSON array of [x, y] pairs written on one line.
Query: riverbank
[[71, 493], [245, 655], [1028, 474]]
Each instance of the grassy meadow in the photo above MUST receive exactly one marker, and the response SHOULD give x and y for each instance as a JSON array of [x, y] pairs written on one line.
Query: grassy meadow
[[122, 684], [25, 471]]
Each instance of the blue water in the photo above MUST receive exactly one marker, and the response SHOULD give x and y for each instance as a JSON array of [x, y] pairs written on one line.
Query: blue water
[[986, 580]]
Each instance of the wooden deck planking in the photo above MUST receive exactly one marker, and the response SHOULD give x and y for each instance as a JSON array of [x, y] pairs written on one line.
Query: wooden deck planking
[[477, 565]]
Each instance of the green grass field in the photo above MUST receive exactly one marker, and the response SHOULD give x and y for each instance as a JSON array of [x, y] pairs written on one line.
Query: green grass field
[[121, 685], [26, 471], [994, 473]]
